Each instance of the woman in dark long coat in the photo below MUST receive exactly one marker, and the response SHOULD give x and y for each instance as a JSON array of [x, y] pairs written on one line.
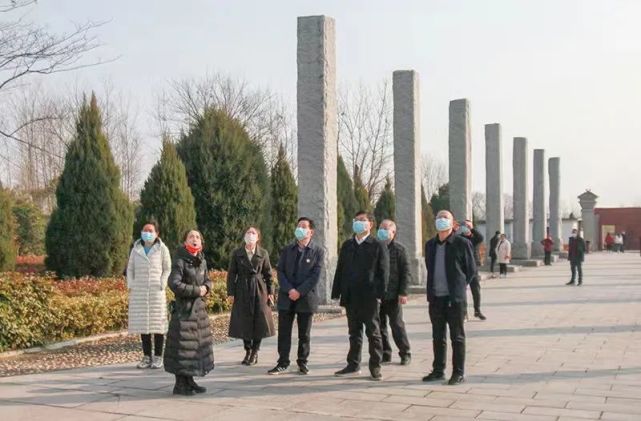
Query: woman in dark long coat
[[189, 351], [249, 288]]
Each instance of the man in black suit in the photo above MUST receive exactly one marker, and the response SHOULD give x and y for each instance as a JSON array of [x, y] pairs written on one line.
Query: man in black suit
[[494, 241], [360, 283], [467, 230], [576, 255], [299, 268], [450, 268]]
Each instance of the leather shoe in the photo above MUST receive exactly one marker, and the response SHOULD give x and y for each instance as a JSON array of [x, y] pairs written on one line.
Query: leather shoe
[[456, 379], [570, 283], [433, 376], [195, 387]]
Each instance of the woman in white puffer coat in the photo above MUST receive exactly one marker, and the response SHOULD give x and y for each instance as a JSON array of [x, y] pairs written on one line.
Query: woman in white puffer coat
[[147, 273]]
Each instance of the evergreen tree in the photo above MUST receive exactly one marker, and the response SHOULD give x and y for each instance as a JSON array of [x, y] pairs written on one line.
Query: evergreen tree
[[441, 200], [8, 249], [386, 203], [228, 178], [346, 202], [90, 230], [427, 217], [167, 199], [30, 227], [284, 204], [360, 194]]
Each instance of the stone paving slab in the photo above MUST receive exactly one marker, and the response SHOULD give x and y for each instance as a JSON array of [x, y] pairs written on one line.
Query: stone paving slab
[[547, 352]]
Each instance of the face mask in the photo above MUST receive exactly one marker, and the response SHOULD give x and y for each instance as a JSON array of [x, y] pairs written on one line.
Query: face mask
[[251, 238], [147, 237], [360, 227], [383, 234], [443, 224], [301, 233], [193, 249], [463, 230]]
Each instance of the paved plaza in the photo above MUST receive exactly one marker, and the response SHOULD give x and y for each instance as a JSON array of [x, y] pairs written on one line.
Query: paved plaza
[[547, 352]]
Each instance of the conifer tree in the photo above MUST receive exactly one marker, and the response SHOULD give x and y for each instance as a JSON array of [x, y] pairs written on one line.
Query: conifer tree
[[284, 204], [386, 203], [346, 202], [360, 194], [8, 249], [428, 229]]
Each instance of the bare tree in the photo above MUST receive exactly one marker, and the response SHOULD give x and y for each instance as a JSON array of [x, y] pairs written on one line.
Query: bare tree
[[434, 174], [508, 206], [365, 133], [478, 205]]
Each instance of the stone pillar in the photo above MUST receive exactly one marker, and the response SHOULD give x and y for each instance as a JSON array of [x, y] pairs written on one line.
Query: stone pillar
[[317, 137], [407, 169], [554, 172], [539, 202], [494, 218], [521, 224], [587, 201], [460, 155]]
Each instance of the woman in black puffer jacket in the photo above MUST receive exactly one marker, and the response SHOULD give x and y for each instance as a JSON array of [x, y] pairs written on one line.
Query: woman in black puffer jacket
[[189, 351]]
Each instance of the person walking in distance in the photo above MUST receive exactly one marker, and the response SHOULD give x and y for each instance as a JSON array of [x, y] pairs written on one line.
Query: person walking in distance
[[396, 294], [503, 254], [576, 255], [494, 241], [467, 230], [360, 282], [450, 263], [548, 245]]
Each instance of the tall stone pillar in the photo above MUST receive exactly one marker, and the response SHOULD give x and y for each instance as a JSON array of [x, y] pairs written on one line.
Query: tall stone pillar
[[587, 200], [554, 172], [407, 168], [539, 202], [317, 136], [460, 159], [521, 224], [494, 217]]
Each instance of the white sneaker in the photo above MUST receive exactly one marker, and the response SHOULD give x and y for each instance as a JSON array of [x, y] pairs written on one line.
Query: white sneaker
[[157, 362], [144, 363]]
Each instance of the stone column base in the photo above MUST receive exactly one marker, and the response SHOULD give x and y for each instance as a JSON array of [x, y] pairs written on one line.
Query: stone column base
[[521, 251]]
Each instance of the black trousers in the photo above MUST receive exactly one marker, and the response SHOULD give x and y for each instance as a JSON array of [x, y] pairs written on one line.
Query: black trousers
[[392, 310], [548, 258], [359, 315], [252, 345], [475, 287], [285, 325], [576, 267], [503, 269], [159, 341], [492, 263], [444, 313]]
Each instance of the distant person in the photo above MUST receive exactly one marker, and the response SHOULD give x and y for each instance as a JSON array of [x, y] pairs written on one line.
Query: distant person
[[396, 294], [503, 254], [494, 241], [609, 242], [360, 282], [576, 255], [548, 246], [249, 288], [147, 274], [618, 243], [466, 229], [189, 351], [624, 236], [449, 259], [299, 269]]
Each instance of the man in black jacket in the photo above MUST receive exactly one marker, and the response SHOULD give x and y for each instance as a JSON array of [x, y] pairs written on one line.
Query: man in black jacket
[[494, 241], [299, 268], [467, 230], [360, 283], [396, 294], [576, 255], [450, 268]]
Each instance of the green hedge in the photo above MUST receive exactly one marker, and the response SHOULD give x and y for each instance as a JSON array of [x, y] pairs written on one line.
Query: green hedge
[[36, 310]]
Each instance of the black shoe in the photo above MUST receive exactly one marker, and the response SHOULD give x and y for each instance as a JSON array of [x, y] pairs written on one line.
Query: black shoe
[[303, 369], [348, 371], [434, 376], [194, 386], [570, 283], [386, 359], [253, 358], [479, 315], [182, 388], [406, 359], [376, 375], [245, 360], [580, 283], [279, 369], [456, 379]]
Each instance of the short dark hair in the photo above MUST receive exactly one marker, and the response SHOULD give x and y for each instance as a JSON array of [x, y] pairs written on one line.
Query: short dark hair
[[370, 217], [309, 221], [151, 222], [497, 233]]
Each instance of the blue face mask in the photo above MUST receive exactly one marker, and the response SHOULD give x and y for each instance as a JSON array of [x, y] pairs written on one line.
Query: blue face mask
[[443, 224], [301, 233], [147, 237], [383, 234], [360, 227]]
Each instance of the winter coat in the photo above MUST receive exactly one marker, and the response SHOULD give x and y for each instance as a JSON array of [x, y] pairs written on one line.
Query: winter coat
[[147, 279], [460, 266], [250, 283], [399, 271], [548, 245], [494, 241], [504, 251], [189, 350], [576, 249], [303, 278]]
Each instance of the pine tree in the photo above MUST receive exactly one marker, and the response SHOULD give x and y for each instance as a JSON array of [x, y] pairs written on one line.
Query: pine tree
[[167, 199], [228, 178], [428, 229], [90, 230], [346, 202], [386, 203], [284, 204], [30, 224], [8, 249], [441, 200], [360, 194]]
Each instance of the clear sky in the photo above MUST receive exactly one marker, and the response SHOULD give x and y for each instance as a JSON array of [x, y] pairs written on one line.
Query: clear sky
[[566, 74]]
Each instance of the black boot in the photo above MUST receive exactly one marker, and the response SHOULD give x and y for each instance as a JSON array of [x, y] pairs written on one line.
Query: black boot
[[181, 387], [245, 360], [253, 357], [194, 386]]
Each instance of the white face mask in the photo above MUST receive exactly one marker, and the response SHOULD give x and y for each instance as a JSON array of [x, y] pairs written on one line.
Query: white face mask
[[251, 238]]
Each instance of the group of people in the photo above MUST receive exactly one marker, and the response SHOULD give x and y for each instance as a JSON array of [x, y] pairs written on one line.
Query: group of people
[[371, 281], [615, 242], [501, 253]]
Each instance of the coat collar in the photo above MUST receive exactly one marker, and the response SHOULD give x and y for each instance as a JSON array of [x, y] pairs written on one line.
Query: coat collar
[[241, 251]]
